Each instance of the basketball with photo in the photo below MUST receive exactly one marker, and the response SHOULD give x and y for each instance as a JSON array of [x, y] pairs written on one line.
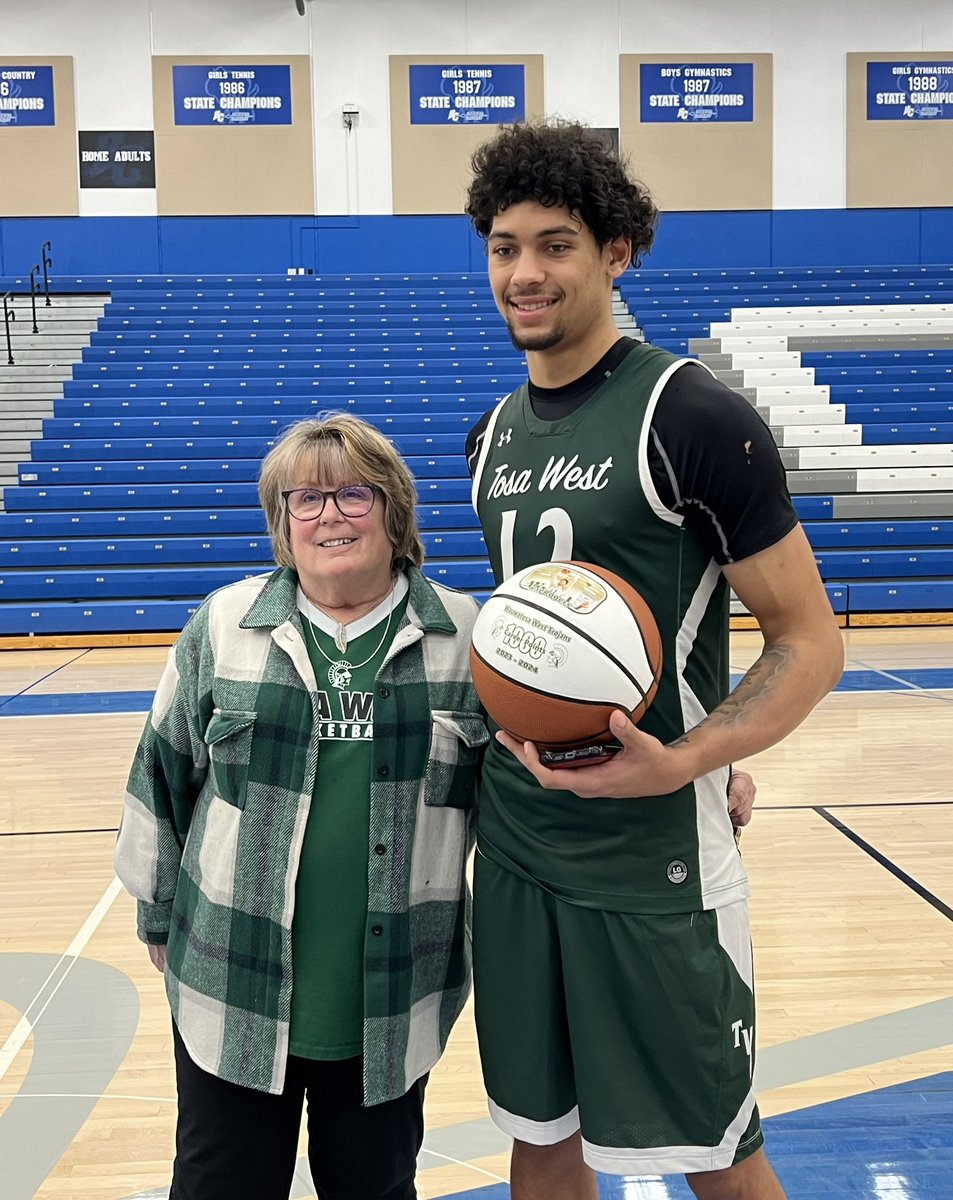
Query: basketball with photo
[[557, 648]]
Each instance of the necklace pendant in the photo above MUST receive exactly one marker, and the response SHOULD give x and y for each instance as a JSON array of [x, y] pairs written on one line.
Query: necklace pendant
[[340, 637]]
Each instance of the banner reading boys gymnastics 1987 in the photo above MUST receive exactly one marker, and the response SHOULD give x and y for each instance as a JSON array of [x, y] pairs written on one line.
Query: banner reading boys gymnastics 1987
[[904, 91], [697, 92], [232, 95], [456, 95]]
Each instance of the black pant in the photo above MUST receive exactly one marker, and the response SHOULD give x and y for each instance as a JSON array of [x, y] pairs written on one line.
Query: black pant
[[234, 1143]]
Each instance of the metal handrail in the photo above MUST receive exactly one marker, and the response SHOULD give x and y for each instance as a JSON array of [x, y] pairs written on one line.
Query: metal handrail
[[47, 263], [34, 289], [8, 316]]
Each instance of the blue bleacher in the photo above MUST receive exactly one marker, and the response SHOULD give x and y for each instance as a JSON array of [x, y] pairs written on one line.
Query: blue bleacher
[[140, 495]]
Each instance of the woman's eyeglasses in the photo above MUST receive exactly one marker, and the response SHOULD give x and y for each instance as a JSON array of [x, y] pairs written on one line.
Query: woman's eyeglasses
[[352, 500]]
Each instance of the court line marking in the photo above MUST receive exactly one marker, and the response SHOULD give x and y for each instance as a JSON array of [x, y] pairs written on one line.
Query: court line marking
[[25, 1026], [128, 701], [459, 1162], [887, 805], [83, 1096], [43, 678], [885, 862], [53, 832]]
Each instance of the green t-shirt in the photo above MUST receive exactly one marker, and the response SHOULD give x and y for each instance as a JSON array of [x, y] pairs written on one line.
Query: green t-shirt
[[328, 928]]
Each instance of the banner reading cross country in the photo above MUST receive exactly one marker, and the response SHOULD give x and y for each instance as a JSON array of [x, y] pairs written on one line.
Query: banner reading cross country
[[232, 95], [463, 95], [696, 92], [26, 96], [904, 91]]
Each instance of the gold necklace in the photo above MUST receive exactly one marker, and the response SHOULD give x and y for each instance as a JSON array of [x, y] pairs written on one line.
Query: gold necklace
[[340, 671]]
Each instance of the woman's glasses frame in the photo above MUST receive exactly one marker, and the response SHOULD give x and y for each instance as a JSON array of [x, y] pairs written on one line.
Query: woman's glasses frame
[[360, 508]]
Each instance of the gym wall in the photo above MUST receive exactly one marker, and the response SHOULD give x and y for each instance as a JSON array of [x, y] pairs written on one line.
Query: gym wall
[[361, 218], [903, 161], [702, 166], [38, 162], [430, 164], [210, 170]]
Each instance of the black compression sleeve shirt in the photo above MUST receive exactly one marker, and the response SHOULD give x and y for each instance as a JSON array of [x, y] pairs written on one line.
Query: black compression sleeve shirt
[[711, 456]]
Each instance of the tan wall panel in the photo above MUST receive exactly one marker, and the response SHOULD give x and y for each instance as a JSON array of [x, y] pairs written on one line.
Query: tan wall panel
[[234, 169], [895, 164], [39, 175], [701, 166], [431, 163]]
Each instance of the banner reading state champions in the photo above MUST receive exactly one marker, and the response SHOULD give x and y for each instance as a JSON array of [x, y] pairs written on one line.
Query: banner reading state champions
[[232, 95], [454, 95], [696, 92], [26, 96], [904, 91]]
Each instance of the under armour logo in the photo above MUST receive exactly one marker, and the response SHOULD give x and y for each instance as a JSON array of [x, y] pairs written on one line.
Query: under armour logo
[[505, 437]]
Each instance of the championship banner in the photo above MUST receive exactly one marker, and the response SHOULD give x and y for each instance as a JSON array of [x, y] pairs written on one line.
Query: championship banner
[[26, 96], [232, 95], [905, 91], [114, 159], [697, 92], [450, 95]]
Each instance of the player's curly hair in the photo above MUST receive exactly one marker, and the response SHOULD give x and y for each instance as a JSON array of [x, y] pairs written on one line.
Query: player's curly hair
[[561, 163]]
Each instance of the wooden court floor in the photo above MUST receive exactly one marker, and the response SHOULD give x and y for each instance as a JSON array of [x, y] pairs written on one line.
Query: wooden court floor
[[850, 855]]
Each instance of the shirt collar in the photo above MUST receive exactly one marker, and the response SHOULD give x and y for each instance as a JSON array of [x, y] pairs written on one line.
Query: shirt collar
[[276, 603]]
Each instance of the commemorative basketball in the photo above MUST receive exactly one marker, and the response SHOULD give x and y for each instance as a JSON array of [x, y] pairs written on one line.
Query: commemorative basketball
[[558, 647]]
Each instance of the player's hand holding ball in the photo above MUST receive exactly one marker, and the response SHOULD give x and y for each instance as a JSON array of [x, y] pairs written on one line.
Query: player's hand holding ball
[[643, 766], [566, 658]]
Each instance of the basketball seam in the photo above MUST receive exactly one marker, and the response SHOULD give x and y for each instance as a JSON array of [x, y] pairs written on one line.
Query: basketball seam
[[592, 642]]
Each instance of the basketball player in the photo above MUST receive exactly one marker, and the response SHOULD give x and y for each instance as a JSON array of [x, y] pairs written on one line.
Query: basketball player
[[614, 977]]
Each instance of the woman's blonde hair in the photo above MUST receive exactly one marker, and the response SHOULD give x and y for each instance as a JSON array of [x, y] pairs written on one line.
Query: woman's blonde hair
[[340, 448]]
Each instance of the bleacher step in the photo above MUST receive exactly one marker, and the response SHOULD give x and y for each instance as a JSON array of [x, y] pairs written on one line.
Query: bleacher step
[[58, 300], [872, 341], [816, 393], [898, 506], [20, 425], [767, 377], [34, 373], [32, 391], [807, 414], [817, 435], [32, 343], [44, 355]]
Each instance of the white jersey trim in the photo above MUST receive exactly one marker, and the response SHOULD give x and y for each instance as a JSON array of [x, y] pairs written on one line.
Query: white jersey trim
[[536, 1133], [645, 473], [482, 454], [723, 878], [734, 936], [671, 1160]]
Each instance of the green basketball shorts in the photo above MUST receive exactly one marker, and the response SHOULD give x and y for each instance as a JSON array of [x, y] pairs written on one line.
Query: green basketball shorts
[[636, 1030]]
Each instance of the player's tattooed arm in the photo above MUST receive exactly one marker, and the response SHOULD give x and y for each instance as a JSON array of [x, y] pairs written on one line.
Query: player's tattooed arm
[[802, 658], [767, 674]]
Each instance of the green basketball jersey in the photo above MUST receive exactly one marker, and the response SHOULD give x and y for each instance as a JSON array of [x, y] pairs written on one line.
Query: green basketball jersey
[[580, 488]]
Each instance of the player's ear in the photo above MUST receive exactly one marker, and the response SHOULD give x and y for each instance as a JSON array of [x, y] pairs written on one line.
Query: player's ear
[[619, 255]]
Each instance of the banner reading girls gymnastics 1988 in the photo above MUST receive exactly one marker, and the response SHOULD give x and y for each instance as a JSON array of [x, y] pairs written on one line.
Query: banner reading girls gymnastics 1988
[[905, 91]]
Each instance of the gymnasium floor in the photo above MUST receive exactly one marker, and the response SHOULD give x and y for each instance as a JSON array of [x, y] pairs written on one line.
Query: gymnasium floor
[[851, 859]]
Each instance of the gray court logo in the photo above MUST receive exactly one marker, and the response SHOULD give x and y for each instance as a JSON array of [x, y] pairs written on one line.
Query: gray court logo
[[676, 871]]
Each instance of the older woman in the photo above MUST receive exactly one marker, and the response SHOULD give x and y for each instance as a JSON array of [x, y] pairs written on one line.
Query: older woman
[[295, 832]]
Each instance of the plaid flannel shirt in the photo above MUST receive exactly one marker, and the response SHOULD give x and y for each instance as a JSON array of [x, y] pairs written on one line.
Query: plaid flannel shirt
[[215, 814]]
